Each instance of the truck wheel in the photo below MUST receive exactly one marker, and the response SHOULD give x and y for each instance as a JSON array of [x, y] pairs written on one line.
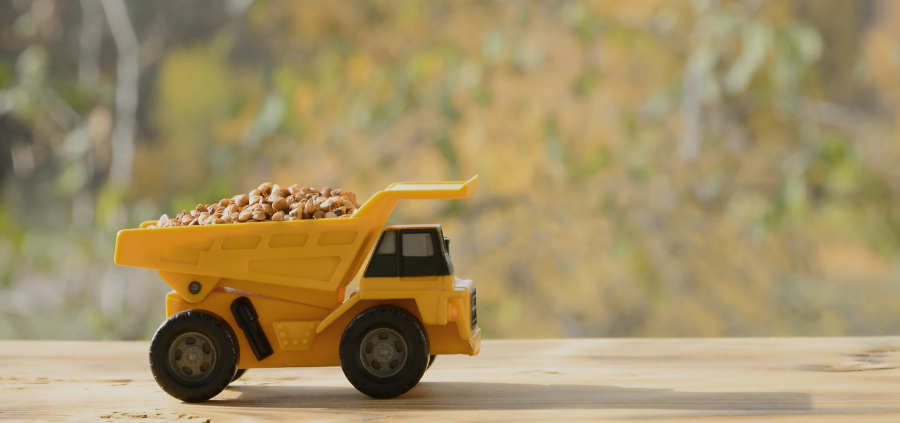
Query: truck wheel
[[238, 374], [384, 352], [193, 356]]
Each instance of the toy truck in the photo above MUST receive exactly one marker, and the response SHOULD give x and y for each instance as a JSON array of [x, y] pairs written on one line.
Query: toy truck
[[272, 294]]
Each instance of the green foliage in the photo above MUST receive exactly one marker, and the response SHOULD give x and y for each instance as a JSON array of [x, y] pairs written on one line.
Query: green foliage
[[648, 169]]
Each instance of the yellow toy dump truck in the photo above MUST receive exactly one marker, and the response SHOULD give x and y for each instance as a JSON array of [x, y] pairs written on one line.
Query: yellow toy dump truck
[[272, 294]]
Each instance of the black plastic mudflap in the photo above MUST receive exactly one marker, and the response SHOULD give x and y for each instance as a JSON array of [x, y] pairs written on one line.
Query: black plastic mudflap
[[248, 320]]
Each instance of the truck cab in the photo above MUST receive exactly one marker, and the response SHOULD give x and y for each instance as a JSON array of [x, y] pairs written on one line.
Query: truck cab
[[411, 251], [413, 262]]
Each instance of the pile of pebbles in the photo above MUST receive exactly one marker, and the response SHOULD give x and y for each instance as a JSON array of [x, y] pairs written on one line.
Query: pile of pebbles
[[268, 203]]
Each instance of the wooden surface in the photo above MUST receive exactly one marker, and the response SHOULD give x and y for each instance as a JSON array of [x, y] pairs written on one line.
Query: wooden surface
[[837, 379]]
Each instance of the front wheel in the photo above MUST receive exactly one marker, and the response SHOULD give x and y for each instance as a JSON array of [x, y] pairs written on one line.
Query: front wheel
[[384, 352], [193, 356]]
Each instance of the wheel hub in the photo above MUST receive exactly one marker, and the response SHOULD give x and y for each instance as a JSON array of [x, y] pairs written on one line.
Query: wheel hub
[[383, 352], [193, 356]]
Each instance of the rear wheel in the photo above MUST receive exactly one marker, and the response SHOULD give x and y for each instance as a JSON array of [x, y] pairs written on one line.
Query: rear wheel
[[384, 352], [193, 356]]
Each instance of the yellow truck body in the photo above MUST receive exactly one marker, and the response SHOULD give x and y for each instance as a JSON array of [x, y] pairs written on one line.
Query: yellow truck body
[[295, 274]]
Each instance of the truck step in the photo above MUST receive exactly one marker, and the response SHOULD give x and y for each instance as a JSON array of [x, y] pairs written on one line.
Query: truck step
[[296, 335]]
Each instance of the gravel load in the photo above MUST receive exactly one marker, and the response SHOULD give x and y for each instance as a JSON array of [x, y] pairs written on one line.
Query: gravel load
[[268, 203]]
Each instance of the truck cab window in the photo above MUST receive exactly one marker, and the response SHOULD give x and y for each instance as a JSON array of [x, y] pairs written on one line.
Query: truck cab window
[[419, 255], [417, 245], [409, 253], [388, 243], [385, 263]]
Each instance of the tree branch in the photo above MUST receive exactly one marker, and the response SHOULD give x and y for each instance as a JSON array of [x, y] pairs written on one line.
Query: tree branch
[[128, 73]]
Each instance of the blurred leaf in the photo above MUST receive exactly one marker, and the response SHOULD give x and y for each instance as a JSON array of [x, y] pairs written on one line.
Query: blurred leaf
[[268, 120], [6, 75], [756, 39], [193, 87], [587, 82]]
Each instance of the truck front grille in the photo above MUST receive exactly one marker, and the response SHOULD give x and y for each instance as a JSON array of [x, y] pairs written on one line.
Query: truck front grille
[[474, 312]]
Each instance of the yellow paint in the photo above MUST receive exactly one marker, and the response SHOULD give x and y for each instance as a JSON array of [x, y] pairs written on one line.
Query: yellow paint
[[338, 312], [187, 251], [296, 336], [246, 242], [337, 238], [295, 274], [288, 240], [311, 268]]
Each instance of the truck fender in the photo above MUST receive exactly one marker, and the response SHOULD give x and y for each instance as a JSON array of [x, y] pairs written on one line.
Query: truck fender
[[431, 306], [338, 312]]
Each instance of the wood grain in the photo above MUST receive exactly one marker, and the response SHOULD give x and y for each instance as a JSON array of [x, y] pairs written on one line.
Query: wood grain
[[782, 379]]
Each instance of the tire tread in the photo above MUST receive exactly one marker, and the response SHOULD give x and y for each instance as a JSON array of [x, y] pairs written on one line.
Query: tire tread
[[395, 385], [227, 356]]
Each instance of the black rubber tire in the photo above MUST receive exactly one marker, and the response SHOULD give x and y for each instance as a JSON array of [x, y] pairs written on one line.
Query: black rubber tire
[[409, 374], [431, 361], [238, 374], [223, 340]]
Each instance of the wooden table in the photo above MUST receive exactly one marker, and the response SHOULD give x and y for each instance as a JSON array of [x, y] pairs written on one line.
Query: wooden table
[[763, 379]]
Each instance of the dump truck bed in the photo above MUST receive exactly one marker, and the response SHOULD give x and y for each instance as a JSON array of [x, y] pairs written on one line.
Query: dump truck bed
[[320, 254], [313, 254]]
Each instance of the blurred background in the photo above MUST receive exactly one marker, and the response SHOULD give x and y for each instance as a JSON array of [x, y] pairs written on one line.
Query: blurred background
[[648, 168]]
